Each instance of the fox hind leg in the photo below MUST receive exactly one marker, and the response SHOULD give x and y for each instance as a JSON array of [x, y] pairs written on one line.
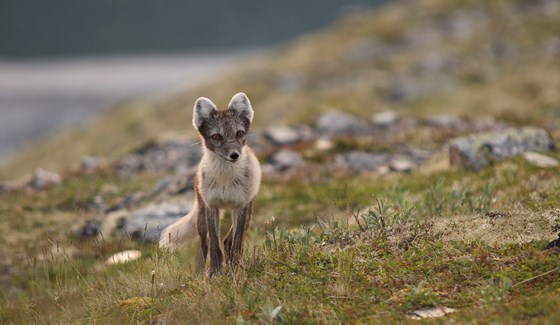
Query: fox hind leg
[[228, 240]]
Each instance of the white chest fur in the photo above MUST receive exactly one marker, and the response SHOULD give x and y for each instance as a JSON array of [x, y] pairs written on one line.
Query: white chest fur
[[228, 185]]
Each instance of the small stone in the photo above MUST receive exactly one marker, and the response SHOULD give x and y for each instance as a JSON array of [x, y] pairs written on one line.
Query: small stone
[[431, 312], [402, 164], [282, 135], [286, 159], [540, 160], [112, 224], [446, 121], [43, 179], [324, 144], [89, 164], [555, 244], [90, 229], [124, 257], [384, 119]]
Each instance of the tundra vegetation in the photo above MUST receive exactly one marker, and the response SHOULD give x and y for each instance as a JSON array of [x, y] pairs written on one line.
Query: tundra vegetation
[[361, 215]]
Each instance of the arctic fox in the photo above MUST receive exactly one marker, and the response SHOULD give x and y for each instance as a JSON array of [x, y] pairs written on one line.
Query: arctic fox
[[228, 176]]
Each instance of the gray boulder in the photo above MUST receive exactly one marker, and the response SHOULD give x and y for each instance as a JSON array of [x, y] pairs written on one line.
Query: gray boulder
[[336, 123], [360, 161], [286, 159], [479, 150], [42, 179], [177, 153], [146, 224]]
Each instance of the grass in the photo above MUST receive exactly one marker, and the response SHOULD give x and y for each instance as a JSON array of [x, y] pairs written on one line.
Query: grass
[[349, 257]]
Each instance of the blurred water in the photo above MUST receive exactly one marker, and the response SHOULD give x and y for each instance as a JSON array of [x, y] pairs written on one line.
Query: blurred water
[[38, 98]]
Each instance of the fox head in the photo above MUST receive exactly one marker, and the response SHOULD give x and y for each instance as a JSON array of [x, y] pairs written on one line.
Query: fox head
[[224, 132]]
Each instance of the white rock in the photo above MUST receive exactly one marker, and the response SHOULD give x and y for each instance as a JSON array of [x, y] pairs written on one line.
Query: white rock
[[43, 179], [324, 144], [401, 164], [282, 135], [540, 160], [124, 257], [431, 312], [384, 118]]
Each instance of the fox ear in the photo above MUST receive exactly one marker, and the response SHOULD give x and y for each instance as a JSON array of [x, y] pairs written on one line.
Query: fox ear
[[203, 108], [242, 105]]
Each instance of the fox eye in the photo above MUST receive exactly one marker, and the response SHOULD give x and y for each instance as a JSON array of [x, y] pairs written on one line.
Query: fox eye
[[216, 136], [240, 134]]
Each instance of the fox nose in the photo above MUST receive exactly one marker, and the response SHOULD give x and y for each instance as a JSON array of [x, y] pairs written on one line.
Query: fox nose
[[234, 156]]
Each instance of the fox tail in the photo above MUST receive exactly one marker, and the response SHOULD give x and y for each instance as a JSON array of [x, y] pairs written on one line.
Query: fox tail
[[182, 232]]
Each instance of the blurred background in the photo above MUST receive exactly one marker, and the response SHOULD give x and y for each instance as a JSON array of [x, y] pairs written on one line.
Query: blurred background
[[63, 62], [103, 78]]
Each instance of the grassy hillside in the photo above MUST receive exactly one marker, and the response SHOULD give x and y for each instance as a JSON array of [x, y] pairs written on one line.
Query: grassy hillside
[[325, 246], [417, 57]]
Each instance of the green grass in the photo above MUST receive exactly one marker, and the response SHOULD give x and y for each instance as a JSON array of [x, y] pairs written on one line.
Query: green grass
[[334, 253], [335, 275]]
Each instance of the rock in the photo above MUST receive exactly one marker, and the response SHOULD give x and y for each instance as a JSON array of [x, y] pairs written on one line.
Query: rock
[[384, 119], [99, 203], [124, 257], [323, 144], [368, 49], [402, 164], [404, 89], [146, 224], [555, 244], [290, 82], [431, 312], [360, 161], [174, 184], [446, 121], [416, 155], [90, 229], [129, 201], [336, 123], [11, 187], [540, 160], [112, 225], [43, 179], [286, 159], [282, 135], [89, 164], [172, 153], [431, 63], [479, 150]]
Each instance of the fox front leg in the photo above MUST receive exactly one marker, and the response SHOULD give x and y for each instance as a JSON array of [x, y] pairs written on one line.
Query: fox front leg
[[241, 224], [213, 220]]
